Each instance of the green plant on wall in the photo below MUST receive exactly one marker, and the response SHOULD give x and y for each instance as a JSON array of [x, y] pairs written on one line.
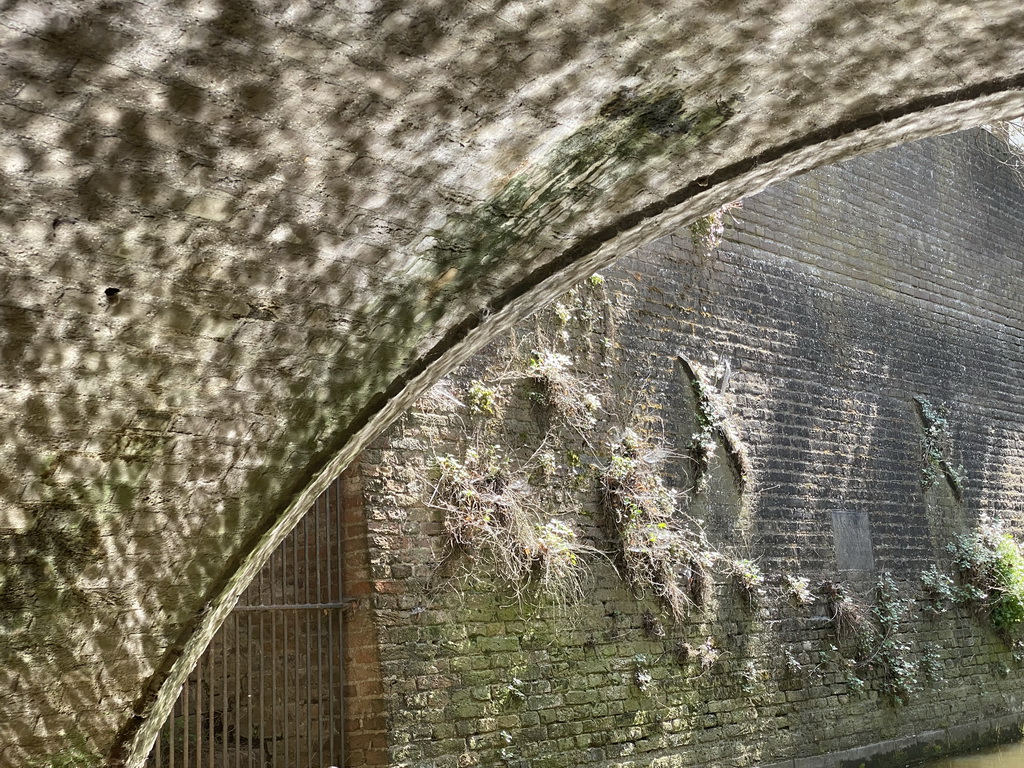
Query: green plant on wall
[[657, 554], [483, 399], [704, 656], [712, 430], [68, 758], [1008, 575], [707, 231], [799, 589], [492, 520], [484, 511], [514, 693], [556, 387], [932, 663], [642, 677], [753, 677], [77, 755], [991, 567], [937, 449], [557, 561], [940, 591], [849, 617], [893, 653], [748, 580], [875, 639], [790, 663]]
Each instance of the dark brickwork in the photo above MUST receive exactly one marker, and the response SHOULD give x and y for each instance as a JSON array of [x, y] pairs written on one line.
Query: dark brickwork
[[833, 301], [364, 721]]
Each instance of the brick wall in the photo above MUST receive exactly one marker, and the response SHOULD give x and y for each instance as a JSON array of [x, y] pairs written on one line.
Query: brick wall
[[365, 726], [832, 302]]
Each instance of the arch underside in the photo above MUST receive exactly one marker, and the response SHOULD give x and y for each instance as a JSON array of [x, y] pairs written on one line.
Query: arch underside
[[238, 239]]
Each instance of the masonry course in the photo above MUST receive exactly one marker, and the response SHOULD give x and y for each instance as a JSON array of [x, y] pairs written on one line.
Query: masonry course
[[837, 299]]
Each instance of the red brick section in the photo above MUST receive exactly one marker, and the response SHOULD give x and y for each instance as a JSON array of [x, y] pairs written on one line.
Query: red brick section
[[365, 723]]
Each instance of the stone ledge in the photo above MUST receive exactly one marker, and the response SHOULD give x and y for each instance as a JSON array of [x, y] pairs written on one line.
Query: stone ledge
[[897, 753]]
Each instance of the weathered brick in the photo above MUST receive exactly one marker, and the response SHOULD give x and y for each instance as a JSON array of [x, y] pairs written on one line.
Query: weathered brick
[[822, 392]]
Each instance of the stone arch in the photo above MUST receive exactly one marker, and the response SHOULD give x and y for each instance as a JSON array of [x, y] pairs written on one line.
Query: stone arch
[[239, 238], [480, 330]]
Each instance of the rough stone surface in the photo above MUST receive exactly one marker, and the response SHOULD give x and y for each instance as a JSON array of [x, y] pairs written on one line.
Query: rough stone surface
[[237, 237], [832, 303]]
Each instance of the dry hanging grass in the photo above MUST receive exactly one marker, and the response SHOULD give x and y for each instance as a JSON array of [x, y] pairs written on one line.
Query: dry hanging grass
[[491, 519], [658, 555]]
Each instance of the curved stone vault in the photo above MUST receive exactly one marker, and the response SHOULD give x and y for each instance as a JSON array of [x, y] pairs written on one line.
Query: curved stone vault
[[238, 236]]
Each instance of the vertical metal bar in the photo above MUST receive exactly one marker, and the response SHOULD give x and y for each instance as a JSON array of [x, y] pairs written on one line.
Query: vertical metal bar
[[199, 713], [302, 722], [238, 693], [285, 666], [290, 670], [182, 701], [317, 530], [284, 651], [173, 757], [173, 733], [186, 757], [306, 723], [224, 695], [308, 719], [342, 533], [262, 653], [320, 705], [211, 743], [328, 528], [262, 656], [296, 575], [273, 668]]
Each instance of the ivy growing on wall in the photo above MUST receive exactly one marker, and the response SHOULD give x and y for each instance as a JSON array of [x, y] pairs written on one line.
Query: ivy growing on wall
[[712, 429], [990, 565], [937, 449]]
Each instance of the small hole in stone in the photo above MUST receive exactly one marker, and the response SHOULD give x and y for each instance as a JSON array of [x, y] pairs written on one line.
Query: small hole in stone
[[111, 292]]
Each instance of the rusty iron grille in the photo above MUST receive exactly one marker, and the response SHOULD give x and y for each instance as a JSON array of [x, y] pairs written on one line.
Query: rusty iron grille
[[268, 691]]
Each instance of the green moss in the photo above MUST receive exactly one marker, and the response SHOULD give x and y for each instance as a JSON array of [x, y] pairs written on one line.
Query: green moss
[[631, 129], [77, 754], [1008, 574]]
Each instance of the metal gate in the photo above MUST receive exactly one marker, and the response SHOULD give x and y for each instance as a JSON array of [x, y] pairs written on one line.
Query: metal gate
[[268, 691]]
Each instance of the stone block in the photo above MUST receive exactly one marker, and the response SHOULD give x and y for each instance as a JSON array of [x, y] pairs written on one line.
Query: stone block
[[211, 207]]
